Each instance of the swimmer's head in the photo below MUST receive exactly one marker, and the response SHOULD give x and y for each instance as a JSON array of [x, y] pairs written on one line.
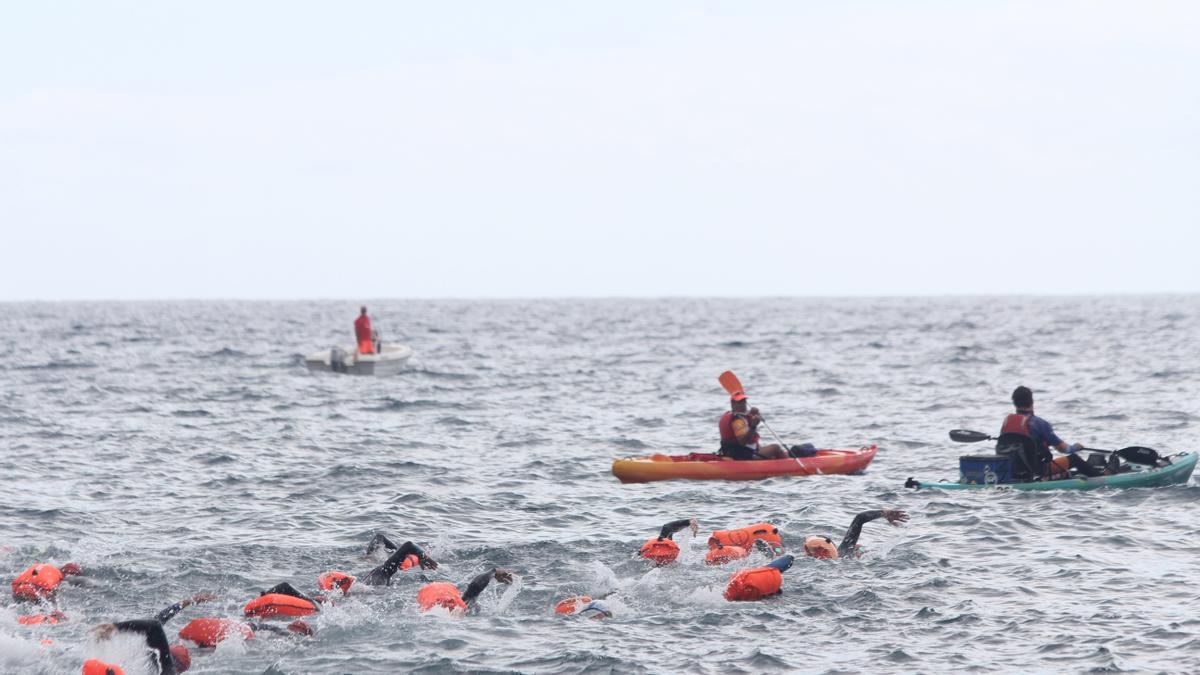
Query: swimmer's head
[[596, 609], [71, 570], [572, 604], [331, 580], [181, 657], [410, 561], [820, 547]]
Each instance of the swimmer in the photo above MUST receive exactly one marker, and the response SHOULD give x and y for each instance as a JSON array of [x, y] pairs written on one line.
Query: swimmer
[[40, 581], [757, 583], [823, 547], [584, 605], [728, 545], [443, 594], [162, 617], [405, 556], [167, 659], [663, 549]]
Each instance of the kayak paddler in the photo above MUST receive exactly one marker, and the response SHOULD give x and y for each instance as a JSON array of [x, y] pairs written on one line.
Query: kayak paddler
[[1030, 439], [739, 432], [362, 332]]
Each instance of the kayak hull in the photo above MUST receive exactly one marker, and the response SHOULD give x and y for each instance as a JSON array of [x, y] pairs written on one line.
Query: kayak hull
[[710, 467], [1176, 473]]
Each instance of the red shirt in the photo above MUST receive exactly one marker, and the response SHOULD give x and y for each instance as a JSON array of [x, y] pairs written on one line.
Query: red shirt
[[362, 328]]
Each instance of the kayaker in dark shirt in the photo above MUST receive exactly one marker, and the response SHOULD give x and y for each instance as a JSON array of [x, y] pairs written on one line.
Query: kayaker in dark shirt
[[823, 547], [1030, 439], [739, 432]]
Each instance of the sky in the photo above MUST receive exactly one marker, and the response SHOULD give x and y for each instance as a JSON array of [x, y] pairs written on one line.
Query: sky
[[276, 150]]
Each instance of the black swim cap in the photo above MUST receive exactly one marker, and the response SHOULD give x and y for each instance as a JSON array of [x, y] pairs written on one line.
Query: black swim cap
[[1022, 397]]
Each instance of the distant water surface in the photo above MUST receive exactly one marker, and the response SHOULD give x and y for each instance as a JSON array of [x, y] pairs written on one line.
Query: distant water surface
[[177, 447]]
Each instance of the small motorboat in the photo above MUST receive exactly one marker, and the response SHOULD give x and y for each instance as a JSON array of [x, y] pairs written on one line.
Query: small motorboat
[[390, 359]]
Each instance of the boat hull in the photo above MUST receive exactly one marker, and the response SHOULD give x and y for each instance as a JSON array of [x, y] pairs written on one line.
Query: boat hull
[[391, 359], [689, 467], [1176, 473]]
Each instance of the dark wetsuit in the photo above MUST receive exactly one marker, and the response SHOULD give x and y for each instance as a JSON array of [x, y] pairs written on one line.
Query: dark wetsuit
[[156, 638], [382, 575], [849, 544], [672, 527], [477, 585]]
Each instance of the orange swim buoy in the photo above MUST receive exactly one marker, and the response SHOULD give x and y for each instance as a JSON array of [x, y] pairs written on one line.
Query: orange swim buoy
[[410, 561], [37, 582], [330, 580], [572, 604], [182, 657], [820, 547], [754, 584], [440, 594], [746, 536], [274, 605], [724, 554], [34, 619], [208, 631], [661, 551], [98, 667]]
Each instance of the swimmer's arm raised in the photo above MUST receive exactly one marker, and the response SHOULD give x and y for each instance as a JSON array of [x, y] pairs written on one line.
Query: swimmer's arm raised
[[168, 613], [674, 526], [481, 582]]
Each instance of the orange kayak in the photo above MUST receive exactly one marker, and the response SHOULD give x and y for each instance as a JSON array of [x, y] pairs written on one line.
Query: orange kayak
[[709, 466]]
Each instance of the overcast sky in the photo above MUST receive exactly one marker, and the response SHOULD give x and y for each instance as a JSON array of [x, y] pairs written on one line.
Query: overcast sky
[[528, 149]]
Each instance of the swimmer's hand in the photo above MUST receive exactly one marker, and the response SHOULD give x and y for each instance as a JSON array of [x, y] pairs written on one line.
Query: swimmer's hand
[[895, 516], [104, 631], [503, 576], [203, 596], [428, 563], [695, 526]]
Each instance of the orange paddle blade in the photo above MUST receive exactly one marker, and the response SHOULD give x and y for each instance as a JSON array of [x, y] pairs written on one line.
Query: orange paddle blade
[[730, 381]]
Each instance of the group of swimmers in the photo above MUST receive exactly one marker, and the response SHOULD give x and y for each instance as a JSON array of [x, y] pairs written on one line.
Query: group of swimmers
[[40, 582]]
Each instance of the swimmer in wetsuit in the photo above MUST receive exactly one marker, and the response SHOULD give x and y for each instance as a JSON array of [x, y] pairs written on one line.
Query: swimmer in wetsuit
[[823, 547], [405, 556], [663, 549], [446, 595], [169, 658]]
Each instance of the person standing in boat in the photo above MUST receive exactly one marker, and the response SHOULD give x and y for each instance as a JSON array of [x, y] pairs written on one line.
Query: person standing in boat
[[1030, 438], [363, 332], [739, 432]]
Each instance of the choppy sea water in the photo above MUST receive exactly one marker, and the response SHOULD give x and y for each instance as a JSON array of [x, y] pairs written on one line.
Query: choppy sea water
[[177, 447]]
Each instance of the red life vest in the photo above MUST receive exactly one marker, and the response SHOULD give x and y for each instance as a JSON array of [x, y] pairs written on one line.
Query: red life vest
[[1016, 423], [98, 667], [726, 426]]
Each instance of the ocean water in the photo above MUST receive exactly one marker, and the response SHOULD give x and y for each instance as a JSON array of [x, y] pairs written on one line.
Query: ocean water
[[176, 447]]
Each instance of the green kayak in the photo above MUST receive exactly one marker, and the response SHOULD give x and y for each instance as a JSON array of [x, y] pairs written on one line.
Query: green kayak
[[1175, 473]]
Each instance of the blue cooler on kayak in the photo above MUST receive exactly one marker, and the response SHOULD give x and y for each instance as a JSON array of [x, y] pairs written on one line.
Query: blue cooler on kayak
[[985, 469]]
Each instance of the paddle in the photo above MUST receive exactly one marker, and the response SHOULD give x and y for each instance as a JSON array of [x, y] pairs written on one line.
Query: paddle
[[1134, 453], [733, 385]]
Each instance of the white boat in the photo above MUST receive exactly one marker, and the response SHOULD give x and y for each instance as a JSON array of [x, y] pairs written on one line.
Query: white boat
[[389, 360]]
